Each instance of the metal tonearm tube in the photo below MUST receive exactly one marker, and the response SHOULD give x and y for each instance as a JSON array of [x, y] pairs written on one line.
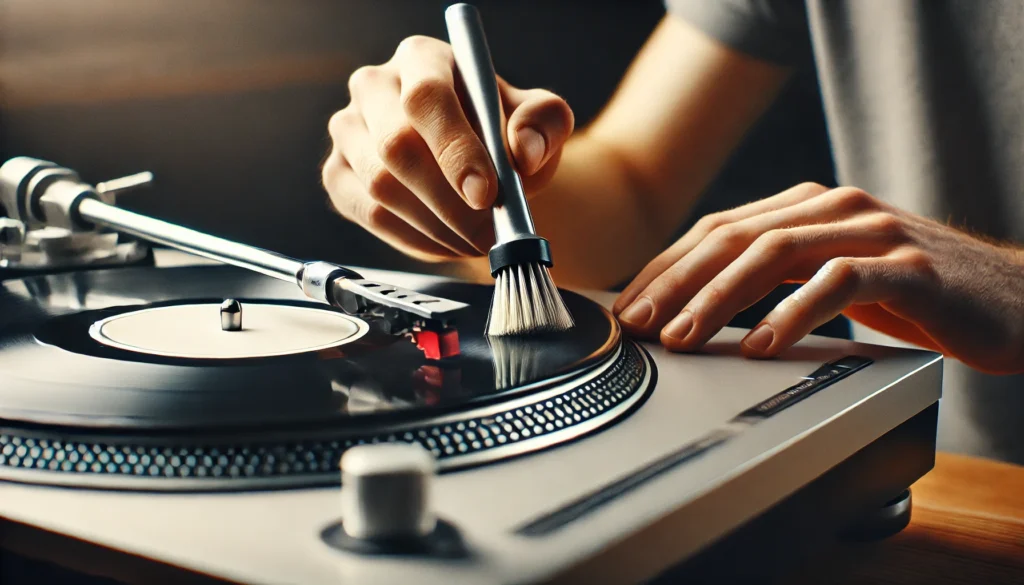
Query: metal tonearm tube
[[38, 192]]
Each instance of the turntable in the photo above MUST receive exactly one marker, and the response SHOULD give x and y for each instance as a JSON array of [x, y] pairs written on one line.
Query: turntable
[[219, 412]]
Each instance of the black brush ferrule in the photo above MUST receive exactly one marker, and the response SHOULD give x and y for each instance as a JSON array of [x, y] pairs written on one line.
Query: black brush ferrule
[[529, 250]]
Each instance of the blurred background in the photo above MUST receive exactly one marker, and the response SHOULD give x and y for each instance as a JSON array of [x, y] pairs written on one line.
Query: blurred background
[[227, 102]]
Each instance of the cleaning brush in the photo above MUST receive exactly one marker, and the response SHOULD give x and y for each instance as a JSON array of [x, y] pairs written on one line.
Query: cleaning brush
[[526, 300]]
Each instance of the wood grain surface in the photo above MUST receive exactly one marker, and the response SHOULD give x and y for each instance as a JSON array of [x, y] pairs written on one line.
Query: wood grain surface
[[967, 527]]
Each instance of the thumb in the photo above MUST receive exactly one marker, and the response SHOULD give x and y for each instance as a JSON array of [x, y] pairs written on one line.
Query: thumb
[[539, 124]]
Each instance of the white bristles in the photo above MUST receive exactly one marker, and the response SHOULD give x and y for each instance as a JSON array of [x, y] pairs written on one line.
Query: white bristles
[[526, 301]]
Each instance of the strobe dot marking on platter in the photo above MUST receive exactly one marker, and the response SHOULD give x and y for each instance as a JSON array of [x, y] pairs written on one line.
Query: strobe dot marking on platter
[[477, 436], [210, 331]]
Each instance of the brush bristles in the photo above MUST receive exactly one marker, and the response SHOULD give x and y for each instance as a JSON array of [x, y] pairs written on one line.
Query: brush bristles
[[526, 301]]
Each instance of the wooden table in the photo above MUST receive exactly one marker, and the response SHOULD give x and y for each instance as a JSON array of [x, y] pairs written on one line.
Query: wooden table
[[967, 526]]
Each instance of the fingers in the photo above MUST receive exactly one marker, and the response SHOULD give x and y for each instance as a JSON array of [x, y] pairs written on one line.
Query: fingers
[[378, 185], [666, 294], [403, 151], [540, 124], [703, 228], [412, 151], [384, 224], [840, 283], [429, 100], [778, 256]]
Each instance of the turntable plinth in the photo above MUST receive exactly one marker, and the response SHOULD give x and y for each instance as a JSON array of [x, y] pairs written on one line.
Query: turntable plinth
[[720, 455]]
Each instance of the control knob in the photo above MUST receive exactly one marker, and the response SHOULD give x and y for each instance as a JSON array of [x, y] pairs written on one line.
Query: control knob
[[385, 492]]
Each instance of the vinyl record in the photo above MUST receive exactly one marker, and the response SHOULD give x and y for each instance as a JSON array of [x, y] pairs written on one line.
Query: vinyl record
[[143, 348]]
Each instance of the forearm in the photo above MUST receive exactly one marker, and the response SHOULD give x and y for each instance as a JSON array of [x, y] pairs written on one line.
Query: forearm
[[596, 212], [627, 181], [593, 213]]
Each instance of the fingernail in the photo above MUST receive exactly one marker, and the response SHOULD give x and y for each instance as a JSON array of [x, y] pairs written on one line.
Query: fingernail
[[760, 338], [679, 327], [474, 189], [639, 313], [533, 145]]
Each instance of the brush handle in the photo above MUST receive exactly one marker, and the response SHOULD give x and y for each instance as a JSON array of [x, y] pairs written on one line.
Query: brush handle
[[512, 219]]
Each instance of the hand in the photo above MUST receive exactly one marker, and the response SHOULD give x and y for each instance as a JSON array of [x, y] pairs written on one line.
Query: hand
[[407, 165], [906, 276]]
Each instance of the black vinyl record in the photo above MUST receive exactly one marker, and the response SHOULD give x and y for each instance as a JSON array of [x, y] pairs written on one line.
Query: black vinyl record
[[54, 371]]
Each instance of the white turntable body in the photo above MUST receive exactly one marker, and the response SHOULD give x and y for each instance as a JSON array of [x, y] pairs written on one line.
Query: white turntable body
[[626, 537]]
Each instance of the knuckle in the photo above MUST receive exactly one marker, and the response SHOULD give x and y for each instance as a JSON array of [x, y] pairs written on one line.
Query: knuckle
[[728, 235], [852, 199], [376, 217], [841, 271], [812, 186], [381, 185], [420, 99], [399, 146], [920, 263], [340, 122], [888, 226], [416, 44], [709, 222], [363, 77], [806, 191], [777, 243]]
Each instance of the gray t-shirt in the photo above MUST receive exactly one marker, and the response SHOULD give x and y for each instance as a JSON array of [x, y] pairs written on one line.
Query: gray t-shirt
[[924, 103]]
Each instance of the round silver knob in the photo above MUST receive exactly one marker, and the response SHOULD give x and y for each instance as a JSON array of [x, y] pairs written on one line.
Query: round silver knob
[[385, 491]]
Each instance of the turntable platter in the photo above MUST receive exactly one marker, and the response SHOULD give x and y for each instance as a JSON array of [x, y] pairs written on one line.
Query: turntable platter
[[57, 371], [134, 361]]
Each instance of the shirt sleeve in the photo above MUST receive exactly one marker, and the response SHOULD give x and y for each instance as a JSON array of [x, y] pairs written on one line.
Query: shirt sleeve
[[771, 30]]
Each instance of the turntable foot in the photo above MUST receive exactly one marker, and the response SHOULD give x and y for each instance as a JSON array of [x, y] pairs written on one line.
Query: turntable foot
[[385, 504], [884, 522]]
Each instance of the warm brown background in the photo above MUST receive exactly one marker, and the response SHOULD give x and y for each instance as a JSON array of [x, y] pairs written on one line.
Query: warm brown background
[[226, 101]]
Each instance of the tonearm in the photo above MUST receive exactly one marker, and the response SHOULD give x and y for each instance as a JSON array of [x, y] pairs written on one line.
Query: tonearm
[[40, 194]]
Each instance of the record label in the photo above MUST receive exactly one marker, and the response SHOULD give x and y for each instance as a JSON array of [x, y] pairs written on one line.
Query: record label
[[193, 331]]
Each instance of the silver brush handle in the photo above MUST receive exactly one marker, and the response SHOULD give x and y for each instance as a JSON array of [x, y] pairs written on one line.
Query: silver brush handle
[[512, 218]]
